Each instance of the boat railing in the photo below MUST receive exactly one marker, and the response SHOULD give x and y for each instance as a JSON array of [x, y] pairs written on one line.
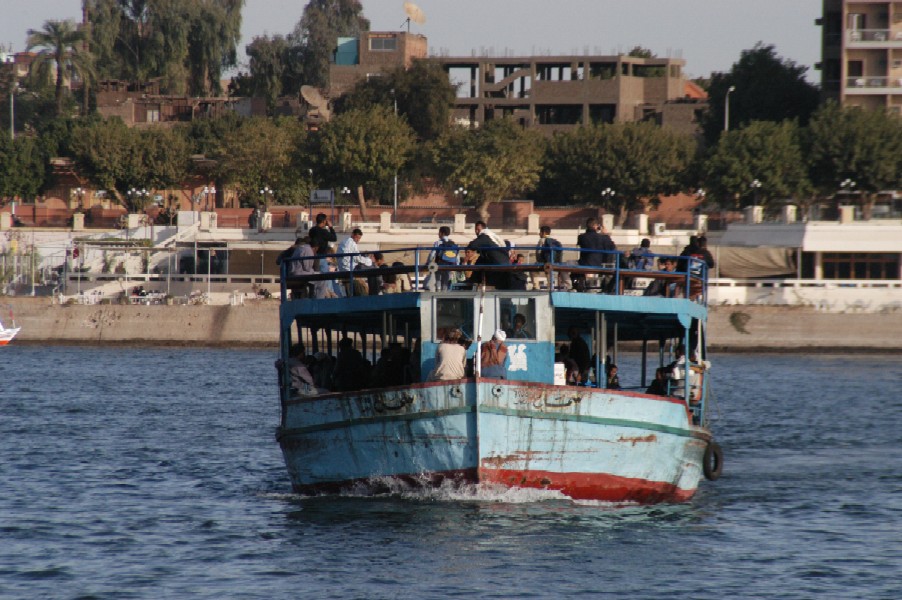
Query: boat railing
[[688, 280]]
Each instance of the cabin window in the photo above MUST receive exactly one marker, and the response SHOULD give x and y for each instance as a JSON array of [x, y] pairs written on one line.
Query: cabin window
[[451, 313], [517, 317]]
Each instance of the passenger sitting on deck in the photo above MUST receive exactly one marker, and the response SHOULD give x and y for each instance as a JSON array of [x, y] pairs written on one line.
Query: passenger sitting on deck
[[352, 371], [658, 387], [301, 380], [519, 331], [661, 287], [571, 369], [579, 352], [494, 356], [613, 379], [450, 358]]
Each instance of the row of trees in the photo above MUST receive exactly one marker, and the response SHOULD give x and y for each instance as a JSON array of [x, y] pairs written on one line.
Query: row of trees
[[364, 147]]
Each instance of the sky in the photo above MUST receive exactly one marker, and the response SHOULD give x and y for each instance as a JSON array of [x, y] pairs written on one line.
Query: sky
[[708, 34]]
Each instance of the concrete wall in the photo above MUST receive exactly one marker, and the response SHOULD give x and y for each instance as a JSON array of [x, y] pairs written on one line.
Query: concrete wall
[[750, 328]]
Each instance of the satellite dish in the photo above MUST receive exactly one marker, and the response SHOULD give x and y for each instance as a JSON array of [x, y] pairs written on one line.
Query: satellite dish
[[414, 13], [313, 97]]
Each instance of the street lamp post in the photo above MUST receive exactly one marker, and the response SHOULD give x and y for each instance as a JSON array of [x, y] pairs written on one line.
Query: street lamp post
[[726, 108], [79, 194], [395, 99], [608, 194], [266, 191], [461, 193], [847, 185], [12, 110], [755, 185], [211, 190]]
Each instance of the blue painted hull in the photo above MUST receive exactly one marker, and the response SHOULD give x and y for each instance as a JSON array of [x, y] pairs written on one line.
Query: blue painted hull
[[586, 443]]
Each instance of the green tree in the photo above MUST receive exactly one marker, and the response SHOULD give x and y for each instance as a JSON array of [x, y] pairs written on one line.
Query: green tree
[[767, 88], [315, 35], [491, 163], [764, 152], [637, 161], [424, 96], [864, 146], [264, 152], [23, 168], [362, 149], [266, 66], [60, 42], [116, 158], [185, 43]]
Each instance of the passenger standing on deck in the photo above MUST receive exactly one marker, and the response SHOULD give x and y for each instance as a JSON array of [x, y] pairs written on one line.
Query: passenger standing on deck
[[591, 242], [491, 252], [322, 233], [450, 358], [579, 352], [641, 258], [494, 356], [548, 251], [349, 263], [444, 253]]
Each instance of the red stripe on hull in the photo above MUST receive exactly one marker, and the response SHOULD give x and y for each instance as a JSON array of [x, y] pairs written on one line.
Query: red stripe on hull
[[590, 486], [579, 486]]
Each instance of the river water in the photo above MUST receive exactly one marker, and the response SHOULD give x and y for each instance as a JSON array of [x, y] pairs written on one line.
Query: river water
[[153, 473]]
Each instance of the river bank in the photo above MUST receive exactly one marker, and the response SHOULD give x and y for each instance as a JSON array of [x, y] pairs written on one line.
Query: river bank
[[255, 324]]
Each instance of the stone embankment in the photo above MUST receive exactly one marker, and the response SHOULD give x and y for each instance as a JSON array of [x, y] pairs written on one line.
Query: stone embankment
[[735, 328]]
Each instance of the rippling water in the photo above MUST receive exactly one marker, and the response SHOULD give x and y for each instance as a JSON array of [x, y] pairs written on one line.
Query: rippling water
[[151, 473]]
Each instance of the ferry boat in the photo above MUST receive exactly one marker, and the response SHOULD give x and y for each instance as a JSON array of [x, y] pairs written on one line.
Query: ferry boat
[[7, 335], [527, 429]]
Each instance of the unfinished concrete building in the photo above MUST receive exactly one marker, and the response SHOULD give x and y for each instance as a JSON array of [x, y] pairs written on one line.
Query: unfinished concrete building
[[551, 93]]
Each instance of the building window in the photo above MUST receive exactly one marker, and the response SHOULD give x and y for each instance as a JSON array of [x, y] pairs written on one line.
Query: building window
[[860, 265], [153, 115], [383, 44]]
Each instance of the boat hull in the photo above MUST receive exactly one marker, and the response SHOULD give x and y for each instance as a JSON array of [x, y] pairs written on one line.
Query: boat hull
[[585, 443], [7, 335]]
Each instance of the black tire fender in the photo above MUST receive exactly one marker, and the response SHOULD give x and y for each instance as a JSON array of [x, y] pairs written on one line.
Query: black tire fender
[[712, 462]]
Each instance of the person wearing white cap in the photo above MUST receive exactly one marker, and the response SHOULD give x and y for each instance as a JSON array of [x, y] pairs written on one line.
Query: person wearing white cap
[[494, 356]]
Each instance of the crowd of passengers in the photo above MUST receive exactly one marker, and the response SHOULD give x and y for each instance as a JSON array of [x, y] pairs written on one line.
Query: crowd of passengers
[[310, 254], [320, 373]]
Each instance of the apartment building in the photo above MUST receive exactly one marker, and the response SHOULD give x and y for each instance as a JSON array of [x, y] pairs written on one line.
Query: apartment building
[[550, 93], [862, 53]]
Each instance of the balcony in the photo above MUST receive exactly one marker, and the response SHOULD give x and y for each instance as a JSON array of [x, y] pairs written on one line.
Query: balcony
[[872, 84], [864, 38]]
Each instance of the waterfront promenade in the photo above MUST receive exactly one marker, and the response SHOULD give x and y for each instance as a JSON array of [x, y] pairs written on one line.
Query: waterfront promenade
[[735, 328]]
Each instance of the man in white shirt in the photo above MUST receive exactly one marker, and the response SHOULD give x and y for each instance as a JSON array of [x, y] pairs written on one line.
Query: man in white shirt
[[353, 261]]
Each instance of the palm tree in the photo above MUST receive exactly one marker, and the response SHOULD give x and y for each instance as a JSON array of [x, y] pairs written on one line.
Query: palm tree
[[62, 43]]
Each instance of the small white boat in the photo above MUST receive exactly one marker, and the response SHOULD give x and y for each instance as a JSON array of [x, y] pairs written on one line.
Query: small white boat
[[7, 335]]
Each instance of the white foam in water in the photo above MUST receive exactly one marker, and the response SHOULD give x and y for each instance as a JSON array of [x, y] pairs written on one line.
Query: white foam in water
[[452, 491]]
